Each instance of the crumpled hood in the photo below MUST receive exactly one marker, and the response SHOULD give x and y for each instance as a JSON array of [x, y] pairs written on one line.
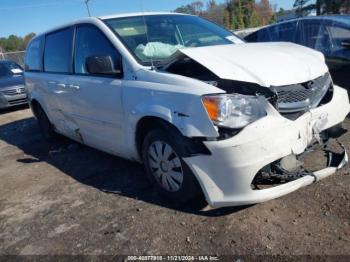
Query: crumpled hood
[[266, 64]]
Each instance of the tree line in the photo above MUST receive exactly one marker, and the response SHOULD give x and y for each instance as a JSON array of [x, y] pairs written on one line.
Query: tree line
[[238, 14], [233, 14], [15, 43]]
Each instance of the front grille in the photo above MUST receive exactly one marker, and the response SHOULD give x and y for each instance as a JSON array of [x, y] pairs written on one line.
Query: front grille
[[299, 97], [18, 101], [299, 94], [14, 91]]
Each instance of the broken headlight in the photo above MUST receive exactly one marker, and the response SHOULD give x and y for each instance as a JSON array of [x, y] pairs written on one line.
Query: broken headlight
[[234, 110]]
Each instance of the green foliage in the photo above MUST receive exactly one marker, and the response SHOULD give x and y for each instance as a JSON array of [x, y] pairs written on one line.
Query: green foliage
[[185, 9], [300, 6], [15, 43], [238, 15], [233, 14], [253, 18], [248, 13], [195, 8], [215, 12], [273, 19], [266, 14]]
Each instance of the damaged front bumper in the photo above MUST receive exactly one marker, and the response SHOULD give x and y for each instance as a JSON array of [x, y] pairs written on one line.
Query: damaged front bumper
[[226, 176]]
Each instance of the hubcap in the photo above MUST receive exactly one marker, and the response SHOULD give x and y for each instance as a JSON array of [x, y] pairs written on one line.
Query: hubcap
[[165, 166]]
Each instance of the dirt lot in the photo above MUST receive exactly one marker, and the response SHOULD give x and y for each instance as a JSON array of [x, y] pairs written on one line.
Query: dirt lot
[[70, 199]]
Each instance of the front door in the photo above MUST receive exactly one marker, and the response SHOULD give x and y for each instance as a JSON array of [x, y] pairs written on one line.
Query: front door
[[95, 98]]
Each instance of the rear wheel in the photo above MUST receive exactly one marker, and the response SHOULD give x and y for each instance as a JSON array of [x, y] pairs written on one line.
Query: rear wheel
[[45, 125], [162, 156]]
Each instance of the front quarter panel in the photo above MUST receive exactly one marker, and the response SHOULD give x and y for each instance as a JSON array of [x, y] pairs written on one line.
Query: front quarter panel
[[182, 109]]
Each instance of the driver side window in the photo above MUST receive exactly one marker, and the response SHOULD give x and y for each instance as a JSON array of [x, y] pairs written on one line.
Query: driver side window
[[89, 42]]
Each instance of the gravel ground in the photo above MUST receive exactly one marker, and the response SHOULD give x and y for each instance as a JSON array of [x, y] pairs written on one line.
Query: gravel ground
[[67, 198]]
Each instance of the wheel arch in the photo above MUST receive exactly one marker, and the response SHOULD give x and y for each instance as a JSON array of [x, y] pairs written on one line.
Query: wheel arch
[[192, 145], [34, 105], [149, 123], [35, 100]]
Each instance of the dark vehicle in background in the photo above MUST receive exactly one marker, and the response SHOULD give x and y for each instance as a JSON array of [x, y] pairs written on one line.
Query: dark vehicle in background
[[12, 91], [327, 34]]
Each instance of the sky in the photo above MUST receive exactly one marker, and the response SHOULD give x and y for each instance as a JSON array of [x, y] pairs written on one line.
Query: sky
[[21, 17]]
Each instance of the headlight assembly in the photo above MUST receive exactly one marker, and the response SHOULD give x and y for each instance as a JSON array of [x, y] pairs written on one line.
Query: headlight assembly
[[233, 110]]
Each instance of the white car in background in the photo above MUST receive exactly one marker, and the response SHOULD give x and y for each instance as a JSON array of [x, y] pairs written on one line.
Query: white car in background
[[201, 109]]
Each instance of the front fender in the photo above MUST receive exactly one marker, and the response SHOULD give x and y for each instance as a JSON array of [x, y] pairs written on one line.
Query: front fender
[[184, 111], [187, 114], [147, 109]]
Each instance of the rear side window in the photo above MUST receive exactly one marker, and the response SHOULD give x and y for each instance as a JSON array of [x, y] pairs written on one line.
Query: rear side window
[[287, 32], [33, 58], [337, 35], [58, 51], [90, 41], [312, 35], [268, 34]]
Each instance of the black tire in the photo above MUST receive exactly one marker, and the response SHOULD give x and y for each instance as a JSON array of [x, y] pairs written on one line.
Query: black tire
[[189, 187], [46, 128]]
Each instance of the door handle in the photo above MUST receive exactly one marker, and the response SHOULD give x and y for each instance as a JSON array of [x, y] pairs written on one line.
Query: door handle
[[74, 87], [61, 85]]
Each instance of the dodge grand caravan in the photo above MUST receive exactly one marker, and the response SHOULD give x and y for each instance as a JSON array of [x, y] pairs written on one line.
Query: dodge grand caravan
[[201, 109]]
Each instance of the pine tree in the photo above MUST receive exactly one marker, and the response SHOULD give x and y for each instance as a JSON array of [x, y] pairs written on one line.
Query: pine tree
[[265, 12], [234, 14], [300, 5], [237, 19], [229, 11], [226, 20], [249, 13], [273, 18], [253, 18]]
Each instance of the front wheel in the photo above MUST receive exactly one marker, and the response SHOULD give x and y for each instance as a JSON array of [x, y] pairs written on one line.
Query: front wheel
[[162, 157]]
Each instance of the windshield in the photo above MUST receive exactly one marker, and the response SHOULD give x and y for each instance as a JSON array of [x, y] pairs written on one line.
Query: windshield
[[166, 34], [8, 68]]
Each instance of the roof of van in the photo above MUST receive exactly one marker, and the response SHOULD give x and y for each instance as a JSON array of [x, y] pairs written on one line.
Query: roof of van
[[93, 18], [138, 14]]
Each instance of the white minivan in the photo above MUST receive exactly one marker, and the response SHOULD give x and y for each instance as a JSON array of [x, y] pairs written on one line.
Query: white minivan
[[204, 111]]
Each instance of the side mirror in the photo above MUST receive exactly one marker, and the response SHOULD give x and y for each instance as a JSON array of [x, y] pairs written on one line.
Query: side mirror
[[345, 44], [103, 65]]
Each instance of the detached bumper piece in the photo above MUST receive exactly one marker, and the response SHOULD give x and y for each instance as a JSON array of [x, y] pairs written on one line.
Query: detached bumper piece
[[317, 162]]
